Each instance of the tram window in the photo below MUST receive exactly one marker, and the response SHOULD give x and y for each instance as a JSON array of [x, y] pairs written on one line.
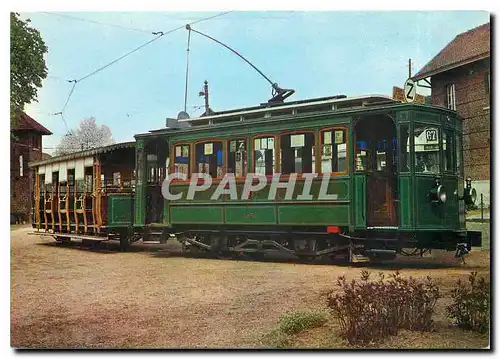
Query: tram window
[[237, 158], [405, 148], [448, 151], [181, 162], [297, 153], [264, 156], [71, 177], [209, 158], [89, 180], [362, 160], [426, 145], [116, 179], [334, 151], [42, 183]]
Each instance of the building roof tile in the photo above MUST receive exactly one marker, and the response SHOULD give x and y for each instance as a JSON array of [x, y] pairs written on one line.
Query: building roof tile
[[26, 123], [466, 47]]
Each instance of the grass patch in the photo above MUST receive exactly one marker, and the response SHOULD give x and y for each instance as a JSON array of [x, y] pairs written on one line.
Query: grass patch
[[297, 321], [277, 339], [293, 323]]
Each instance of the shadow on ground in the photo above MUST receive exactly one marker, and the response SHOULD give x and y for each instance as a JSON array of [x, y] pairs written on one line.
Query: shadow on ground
[[172, 250]]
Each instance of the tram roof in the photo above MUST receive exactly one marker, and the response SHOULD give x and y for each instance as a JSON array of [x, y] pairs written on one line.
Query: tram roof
[[276, 111], [84, 153]]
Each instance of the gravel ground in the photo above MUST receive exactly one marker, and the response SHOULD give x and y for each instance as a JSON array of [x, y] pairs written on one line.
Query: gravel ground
[[74, 296]]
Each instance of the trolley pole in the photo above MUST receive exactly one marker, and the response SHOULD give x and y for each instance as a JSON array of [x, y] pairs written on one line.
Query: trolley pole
[[409, 68]]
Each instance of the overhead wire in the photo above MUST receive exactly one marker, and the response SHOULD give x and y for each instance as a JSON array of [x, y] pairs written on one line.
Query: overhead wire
[[158, 35], [96, 22]]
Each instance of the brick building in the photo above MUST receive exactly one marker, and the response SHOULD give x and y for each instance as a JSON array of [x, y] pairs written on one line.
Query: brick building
[[460, 80], [26, 147]]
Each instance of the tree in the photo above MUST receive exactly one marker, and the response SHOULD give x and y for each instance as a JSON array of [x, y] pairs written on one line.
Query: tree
[[88, 135], [27, 65]]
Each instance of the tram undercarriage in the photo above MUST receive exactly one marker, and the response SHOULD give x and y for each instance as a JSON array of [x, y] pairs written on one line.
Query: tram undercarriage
[[308, 246]]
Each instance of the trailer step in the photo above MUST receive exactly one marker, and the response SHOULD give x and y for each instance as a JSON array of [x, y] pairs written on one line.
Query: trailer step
[[70, 236]]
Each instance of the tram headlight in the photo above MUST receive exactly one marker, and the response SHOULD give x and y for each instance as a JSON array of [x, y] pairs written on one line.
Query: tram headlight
[[470, 194], [441, 194], [438, 194]]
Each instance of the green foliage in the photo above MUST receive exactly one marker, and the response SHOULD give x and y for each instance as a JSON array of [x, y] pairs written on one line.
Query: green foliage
[[276, 339], [27, 64], [297, 321], [470, 308], [368, 311]]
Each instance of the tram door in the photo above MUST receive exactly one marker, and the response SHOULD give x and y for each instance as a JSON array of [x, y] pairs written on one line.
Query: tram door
[[375, 159], [156, 171]]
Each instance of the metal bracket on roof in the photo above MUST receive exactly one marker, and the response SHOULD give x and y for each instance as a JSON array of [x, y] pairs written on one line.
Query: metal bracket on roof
[[428, 86]]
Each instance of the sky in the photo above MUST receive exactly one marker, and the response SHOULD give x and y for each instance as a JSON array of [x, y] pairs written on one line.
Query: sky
[[317, 53]]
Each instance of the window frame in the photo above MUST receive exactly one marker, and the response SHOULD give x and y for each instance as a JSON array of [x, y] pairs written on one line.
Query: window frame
[[487, 82], [276, 164], [193, 156], [452, 106], [400, 148], [320, 148], [226, 163], [172, 160], [448, 131], [315, 155], [21, 165], [439, 127]]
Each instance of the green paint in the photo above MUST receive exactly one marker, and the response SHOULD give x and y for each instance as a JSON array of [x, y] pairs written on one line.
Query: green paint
[[314, 214], [405, 202], [428, 214], [119, 210], [250, 214], [360, 201], [196, 214]]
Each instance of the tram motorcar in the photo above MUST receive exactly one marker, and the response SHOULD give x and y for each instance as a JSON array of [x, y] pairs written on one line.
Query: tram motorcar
[[393, 173]]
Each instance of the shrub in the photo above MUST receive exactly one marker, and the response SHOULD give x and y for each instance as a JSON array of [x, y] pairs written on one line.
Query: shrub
[[297, 321], [368, 311], [470, 308], [276, 339]]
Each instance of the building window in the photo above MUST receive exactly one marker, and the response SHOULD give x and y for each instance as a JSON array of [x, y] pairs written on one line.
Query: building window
[[21, 169], [450, 97]]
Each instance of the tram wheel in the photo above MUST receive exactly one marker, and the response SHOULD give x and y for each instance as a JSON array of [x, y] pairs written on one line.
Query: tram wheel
[[225, 255], [124, 243]]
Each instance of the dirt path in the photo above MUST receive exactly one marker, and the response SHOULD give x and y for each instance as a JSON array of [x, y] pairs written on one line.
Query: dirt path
[[74, 297]]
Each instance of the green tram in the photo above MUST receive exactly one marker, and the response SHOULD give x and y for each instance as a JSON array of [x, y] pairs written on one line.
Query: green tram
[[371, 177]]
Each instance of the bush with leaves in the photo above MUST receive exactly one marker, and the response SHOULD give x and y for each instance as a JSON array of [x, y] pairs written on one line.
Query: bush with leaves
[[470, 308], [368, 311]]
